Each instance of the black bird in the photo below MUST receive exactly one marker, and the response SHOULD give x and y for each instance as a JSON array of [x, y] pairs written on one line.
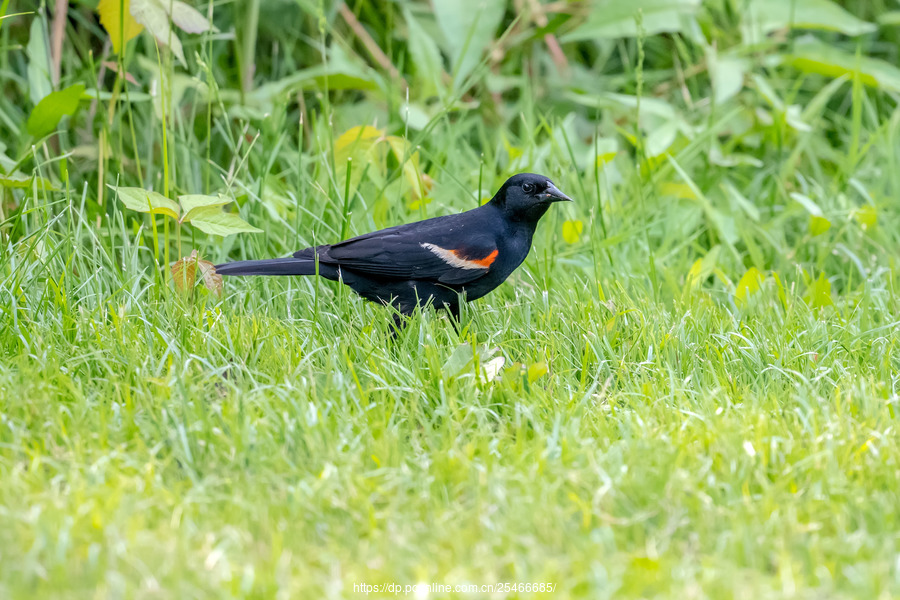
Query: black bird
[[437, 260]]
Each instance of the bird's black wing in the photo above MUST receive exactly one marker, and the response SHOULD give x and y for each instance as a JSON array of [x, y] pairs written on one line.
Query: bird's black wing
[[446, 250]]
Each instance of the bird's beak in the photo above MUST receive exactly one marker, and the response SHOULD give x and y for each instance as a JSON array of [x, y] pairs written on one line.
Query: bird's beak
[[553, 194]]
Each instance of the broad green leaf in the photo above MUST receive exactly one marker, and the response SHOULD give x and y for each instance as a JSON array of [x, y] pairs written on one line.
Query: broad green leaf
[[212, 220], [618, 18], [469, 27], [425, 56], [145, 201], [459, 359], [891, 17], [812, 56], [37, 52], [49, 111], [819, 293], [727, 74], [661, 138], [191, 204], [152, 15], [765, 16], [25, 182], [415, 116], [571, 231], [748, 285], [187, 17], [340, 73], [818, 225], [111, 18]]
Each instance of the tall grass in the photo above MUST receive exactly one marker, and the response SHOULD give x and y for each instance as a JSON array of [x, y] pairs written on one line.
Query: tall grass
[[635, 414]]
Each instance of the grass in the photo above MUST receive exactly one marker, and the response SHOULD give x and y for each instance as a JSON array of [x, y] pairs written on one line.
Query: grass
[[635, 414]]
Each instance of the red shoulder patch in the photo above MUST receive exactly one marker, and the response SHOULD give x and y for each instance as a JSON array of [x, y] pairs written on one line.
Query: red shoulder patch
[[485, 262]]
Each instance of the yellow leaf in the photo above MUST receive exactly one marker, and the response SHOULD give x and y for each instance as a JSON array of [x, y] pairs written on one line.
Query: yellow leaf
[[818, 225], [419, 182], [703, 267], [536, 371], [111, 18], [694, 273], [748, 285], [605, 157], [513, 151], [572, 231], [682, 191], [867, 216], [365, 135]]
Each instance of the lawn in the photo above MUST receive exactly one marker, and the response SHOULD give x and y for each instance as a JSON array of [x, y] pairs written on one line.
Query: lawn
[[688, 390]]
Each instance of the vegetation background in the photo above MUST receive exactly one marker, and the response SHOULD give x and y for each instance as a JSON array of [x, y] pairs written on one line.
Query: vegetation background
[[689, 390]]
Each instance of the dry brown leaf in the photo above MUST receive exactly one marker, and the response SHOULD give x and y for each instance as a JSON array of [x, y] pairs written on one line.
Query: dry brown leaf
[[184, 273]]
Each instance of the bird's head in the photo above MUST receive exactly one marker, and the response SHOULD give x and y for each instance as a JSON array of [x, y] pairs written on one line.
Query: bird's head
[[526, 197]]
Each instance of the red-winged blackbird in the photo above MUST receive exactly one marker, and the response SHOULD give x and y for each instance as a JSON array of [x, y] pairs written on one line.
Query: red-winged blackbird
[[434, 261]]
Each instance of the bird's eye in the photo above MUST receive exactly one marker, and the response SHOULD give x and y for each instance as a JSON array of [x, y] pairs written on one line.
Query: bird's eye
[[528, 188]]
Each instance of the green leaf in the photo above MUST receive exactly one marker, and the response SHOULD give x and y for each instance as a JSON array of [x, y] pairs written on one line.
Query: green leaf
[[468, 27], [192, 204], [145, 201], [618, 18], [49, 111], [819, 293], [891, 17], [812, 56], [459, 359], [186, 17], [765, 16], [37, 52], [213, 221], [748, 285], [727, 74], [152, 15], [425, 56], [22, 181]]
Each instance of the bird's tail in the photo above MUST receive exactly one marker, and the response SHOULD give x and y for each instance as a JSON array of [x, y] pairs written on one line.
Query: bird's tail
[[272, 266]]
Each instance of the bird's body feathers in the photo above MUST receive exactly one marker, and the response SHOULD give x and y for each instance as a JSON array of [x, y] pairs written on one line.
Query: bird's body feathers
[[432, 261]]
